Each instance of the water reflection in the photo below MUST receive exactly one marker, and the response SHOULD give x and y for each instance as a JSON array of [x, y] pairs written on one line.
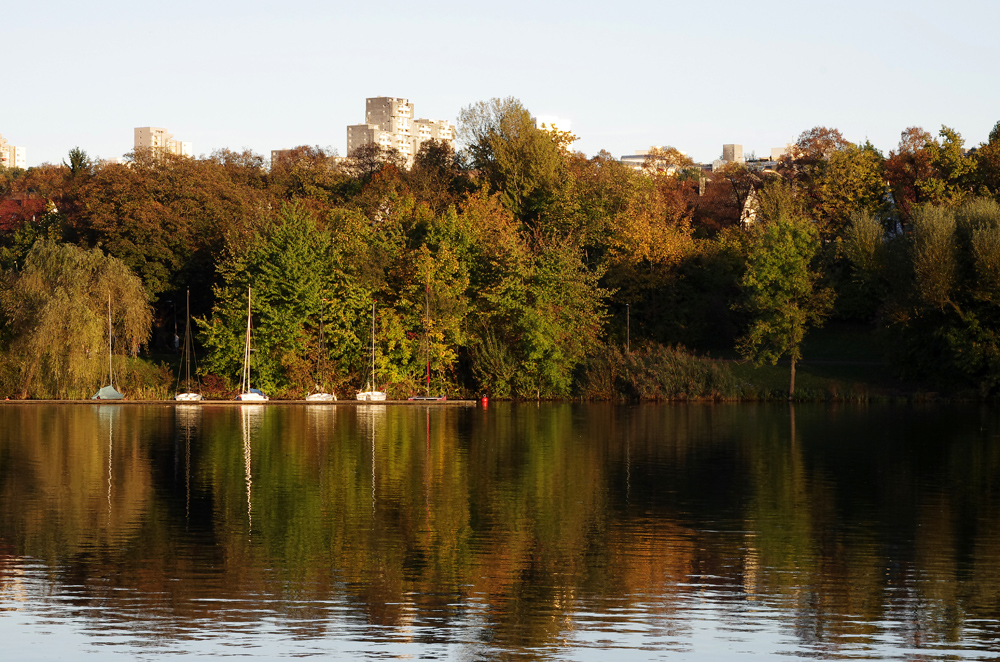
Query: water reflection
[[524, 531]]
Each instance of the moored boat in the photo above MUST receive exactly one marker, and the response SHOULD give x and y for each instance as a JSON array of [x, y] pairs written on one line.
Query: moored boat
[[187, 356], [371, 394], [248, 394]]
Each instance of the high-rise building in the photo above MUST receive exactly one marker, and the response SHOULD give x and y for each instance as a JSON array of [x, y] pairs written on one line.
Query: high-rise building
[[389, 123], [732, 153], [12, 156], [154, 137]]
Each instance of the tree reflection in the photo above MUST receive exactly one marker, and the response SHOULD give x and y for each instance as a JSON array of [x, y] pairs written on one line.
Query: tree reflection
[[511, 524]]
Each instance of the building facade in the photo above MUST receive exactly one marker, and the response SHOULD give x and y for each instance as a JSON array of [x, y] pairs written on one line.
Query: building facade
[[12, 156], [390, 123], [778, 152], [157, 138], [732, 153]]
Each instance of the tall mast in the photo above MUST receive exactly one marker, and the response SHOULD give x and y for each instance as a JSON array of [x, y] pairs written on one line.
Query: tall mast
[[111, 376], [427, 323], [374, 383], [187, 342], [246, 350], [322, 348]]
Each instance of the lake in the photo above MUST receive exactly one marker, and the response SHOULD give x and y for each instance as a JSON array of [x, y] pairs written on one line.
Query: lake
[[518, 531]]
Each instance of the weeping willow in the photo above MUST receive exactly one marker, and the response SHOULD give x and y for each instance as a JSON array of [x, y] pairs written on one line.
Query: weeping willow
[[57, 318]]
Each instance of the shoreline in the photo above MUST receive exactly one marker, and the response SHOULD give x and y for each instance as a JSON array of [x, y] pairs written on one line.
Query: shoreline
[[202, 403]]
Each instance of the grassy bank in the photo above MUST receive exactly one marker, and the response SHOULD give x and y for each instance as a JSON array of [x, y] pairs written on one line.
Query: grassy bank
[[841, 363]]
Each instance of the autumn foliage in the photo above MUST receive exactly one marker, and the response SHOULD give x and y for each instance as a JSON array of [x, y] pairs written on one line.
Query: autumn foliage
[[505, 267]]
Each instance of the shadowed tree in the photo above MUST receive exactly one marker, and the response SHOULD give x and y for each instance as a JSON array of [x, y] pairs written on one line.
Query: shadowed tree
[[433, 175], [368, 160]]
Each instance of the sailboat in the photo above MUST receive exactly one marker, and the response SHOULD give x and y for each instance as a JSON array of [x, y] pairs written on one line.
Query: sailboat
[[248, 394], [320, 395], [108, 392], [370, 394], [186, 359]]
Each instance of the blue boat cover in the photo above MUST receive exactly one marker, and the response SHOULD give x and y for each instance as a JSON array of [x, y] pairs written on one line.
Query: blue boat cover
[[107, 393]]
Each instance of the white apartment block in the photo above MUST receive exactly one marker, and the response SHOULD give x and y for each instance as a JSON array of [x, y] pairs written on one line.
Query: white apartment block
[[389, 123], [154, 137], [12, 156]]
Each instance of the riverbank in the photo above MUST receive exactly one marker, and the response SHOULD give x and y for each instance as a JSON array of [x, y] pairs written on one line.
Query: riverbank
[[842, 362]]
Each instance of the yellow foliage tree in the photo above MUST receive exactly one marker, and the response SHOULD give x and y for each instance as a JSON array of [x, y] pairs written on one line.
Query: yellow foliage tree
[[57, 317]]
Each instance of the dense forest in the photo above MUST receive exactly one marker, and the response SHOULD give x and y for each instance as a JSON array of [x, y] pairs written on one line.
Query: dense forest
[[514, 267]]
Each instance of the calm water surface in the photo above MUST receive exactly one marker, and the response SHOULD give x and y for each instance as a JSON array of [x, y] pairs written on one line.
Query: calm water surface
[[552, 532]]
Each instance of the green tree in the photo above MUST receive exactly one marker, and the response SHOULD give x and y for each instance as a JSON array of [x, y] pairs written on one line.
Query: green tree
[[57, 313], [522, 163], [539, 310], [780, 285], [853, 180], [285, 264], [952, 180], [79, 162]]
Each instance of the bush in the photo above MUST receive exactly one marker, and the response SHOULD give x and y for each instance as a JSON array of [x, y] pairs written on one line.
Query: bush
[[655, 373]]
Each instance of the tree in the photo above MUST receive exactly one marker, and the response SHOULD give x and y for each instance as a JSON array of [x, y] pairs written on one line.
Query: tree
[[853, 180], [816, 145], [522, 163], [780, 285], [907, 166], [539, 310], [433, 175], [312, 176], [987, 163], [57, 311], [951, 181], [166, 216], [864, 245], [665, 160], [286, 264], [743, 180], [79, 162], [368, 160], [925, 170], [935, 254]]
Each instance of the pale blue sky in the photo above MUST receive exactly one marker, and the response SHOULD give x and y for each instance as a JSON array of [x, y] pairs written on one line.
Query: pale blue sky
[[628, 74]]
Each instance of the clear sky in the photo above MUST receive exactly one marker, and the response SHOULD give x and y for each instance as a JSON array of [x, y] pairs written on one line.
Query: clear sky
[[628, 74]]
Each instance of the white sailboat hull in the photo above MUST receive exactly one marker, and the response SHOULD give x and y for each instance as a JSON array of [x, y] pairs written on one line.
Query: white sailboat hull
[[321, 397], [370, 396], [188, 397], [252, 397]]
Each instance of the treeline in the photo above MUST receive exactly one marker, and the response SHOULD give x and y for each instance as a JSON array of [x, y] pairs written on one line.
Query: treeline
[[515, 267]]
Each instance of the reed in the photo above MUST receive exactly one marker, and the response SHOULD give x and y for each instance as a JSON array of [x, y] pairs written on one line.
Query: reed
[[656, 372]]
